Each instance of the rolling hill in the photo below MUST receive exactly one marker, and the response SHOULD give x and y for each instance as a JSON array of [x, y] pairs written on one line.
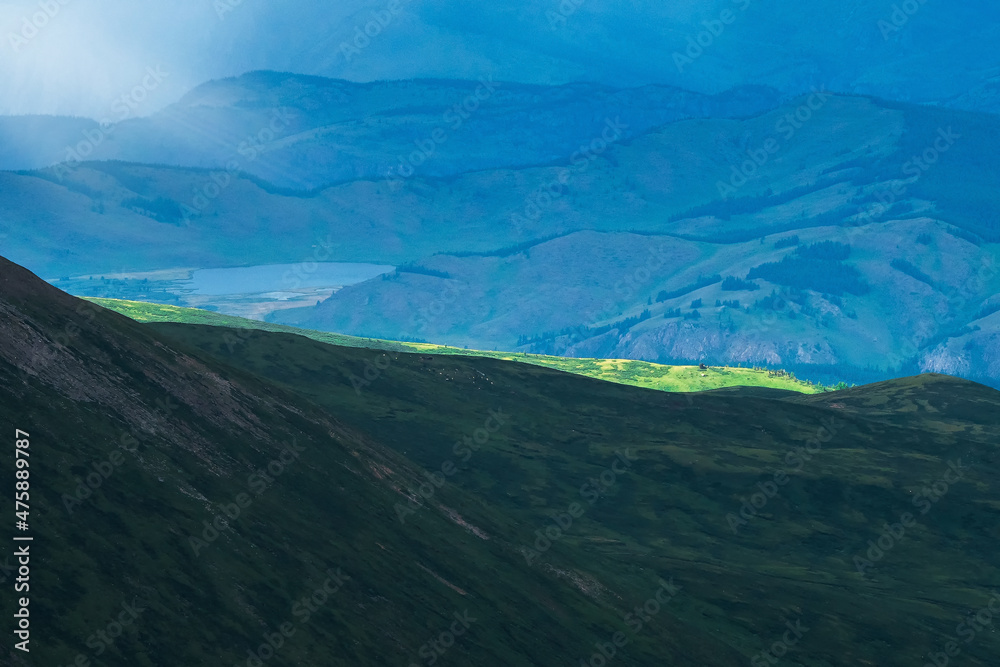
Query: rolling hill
[[920, 247], [558, 258], [305, 133], [111, 217], [469, 509]]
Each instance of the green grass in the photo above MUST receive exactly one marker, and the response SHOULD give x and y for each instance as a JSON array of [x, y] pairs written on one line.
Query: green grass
[[207, 413], [622, 371], [698, 458]]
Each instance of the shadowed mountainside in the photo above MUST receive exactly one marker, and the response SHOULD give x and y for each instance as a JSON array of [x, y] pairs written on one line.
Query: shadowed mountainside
[[206, 415]]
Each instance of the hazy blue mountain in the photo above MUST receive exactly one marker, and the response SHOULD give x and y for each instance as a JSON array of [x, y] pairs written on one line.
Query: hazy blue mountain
[[505, 185], [33, 142], [304, 132], [923, 240], [912, 51], [899, 266]]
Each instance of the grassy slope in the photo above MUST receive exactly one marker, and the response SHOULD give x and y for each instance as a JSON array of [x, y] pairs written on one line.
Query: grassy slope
[[622, 371], [698, 457], [203, 427]]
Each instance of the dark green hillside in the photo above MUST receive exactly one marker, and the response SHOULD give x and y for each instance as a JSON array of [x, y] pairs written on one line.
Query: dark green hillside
[[698, 458], [667, 474], [200, 432]]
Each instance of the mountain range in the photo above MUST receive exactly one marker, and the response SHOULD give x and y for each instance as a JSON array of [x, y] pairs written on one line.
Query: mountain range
[[909, 51], [681, 228], [303, 133]]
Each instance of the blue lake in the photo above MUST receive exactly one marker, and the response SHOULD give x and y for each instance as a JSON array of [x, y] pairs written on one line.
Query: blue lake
[[281, 277]]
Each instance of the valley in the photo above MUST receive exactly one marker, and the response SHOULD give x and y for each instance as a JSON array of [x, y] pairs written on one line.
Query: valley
[[255, 291], [572, 258]]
